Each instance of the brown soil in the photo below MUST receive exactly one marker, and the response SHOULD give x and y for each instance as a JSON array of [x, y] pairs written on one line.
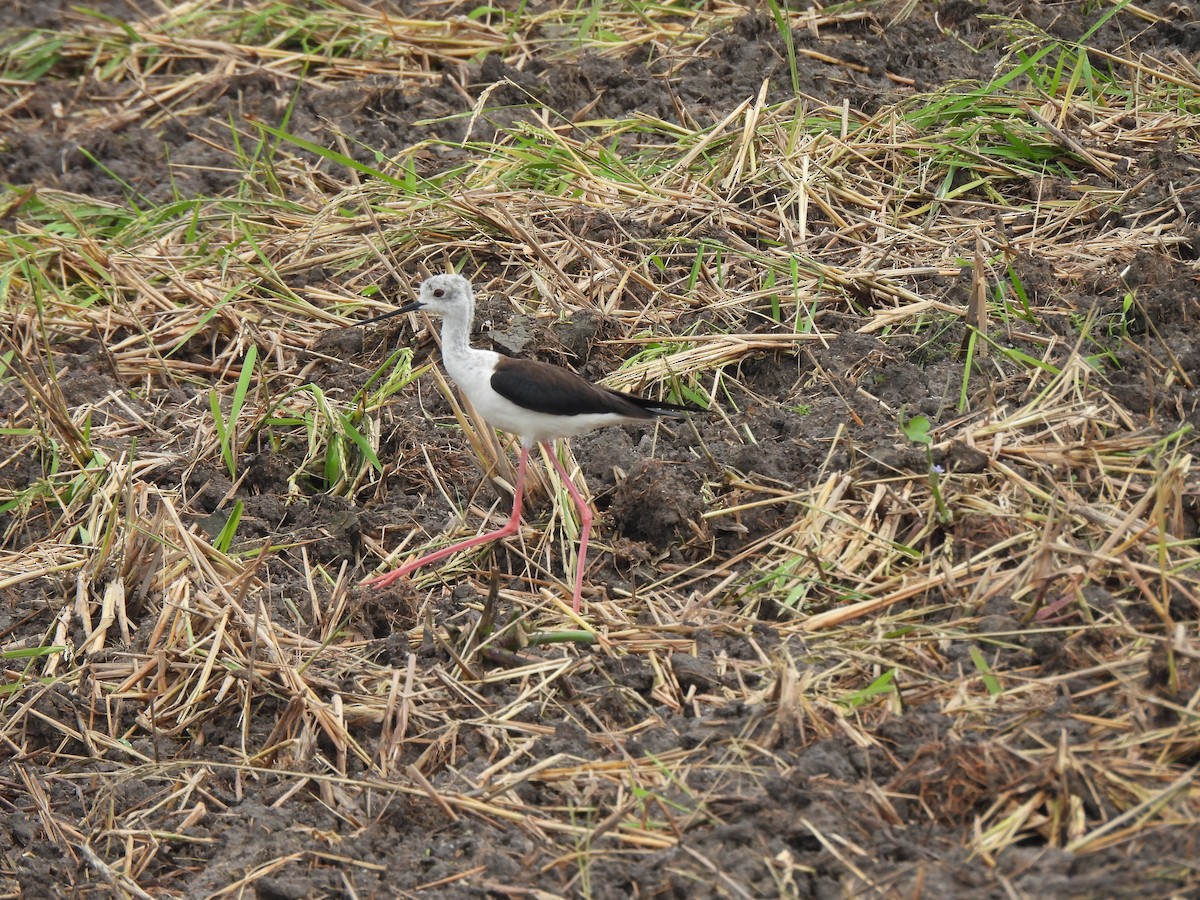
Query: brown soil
[[759, 791]]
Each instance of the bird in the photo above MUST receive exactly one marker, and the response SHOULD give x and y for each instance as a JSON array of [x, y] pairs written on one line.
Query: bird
[[536, 401]]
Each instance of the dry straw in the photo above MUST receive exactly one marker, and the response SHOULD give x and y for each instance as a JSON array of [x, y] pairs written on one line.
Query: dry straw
[[757, 237]]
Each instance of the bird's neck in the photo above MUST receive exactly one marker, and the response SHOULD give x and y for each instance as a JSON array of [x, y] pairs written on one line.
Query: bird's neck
[[456, 334]]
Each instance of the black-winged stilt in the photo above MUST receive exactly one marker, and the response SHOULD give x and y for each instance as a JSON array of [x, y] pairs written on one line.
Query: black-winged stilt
[[534, 400]]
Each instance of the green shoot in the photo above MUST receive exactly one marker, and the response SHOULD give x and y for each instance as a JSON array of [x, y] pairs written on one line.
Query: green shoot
[[990, 681], [916, 430], [881, 686], [227, 428]]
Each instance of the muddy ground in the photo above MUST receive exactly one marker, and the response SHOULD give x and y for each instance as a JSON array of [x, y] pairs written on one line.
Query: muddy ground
[[794, 803]]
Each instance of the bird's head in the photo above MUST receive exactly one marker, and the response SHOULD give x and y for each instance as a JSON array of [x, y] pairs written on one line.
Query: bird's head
[[443, 295]]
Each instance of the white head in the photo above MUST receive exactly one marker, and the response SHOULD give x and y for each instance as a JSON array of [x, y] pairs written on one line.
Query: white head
[[449, 296]]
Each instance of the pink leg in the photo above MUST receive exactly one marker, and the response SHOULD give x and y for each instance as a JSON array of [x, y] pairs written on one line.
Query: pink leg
[[585, 520], [509, 528]]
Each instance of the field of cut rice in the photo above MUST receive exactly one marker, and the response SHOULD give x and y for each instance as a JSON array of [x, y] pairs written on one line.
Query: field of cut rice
[[912, 609]]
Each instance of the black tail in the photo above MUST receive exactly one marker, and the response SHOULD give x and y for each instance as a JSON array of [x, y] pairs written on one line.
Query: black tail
[[659, 407]]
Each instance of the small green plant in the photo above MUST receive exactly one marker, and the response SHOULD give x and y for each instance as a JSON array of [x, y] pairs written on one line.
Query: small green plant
[[337, 452], [1017, 286], [224, 539], [227, 429], [884, 684], [990, 681], [916, 430], [31, 56], [1118, 323], [31, 655], [335, 449], [779, 11]]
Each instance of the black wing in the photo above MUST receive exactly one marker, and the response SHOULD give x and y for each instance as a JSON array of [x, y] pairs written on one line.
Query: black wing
[[559, 392]]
